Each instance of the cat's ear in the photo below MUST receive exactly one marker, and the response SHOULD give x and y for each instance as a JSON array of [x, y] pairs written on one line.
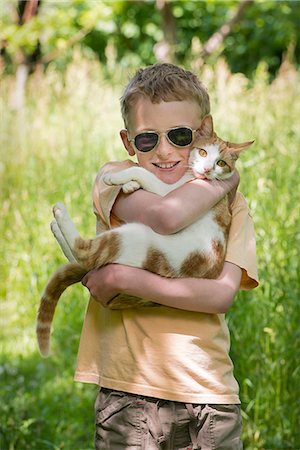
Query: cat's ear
[[238, 148], [207, 126]]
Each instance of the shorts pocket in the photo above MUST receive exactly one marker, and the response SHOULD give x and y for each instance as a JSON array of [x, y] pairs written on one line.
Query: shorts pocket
[[118, 422], [225, 427], [112, 405]]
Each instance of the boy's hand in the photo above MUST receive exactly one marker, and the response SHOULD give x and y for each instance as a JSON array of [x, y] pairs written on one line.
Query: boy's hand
[[102, 283]]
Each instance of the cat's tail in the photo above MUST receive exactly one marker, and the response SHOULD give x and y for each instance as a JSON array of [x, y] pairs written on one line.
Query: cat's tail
[[62, 278]]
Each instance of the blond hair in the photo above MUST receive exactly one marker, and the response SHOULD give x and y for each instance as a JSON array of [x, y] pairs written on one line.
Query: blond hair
[[164, 82]]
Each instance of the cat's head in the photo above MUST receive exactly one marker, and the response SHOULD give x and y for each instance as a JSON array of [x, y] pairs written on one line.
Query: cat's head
[[211, 157]]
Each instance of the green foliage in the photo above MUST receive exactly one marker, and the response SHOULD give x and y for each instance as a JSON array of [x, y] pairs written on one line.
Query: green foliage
[[267, 31], [264, 324], [127, 31], [40, 406], [51, 151]]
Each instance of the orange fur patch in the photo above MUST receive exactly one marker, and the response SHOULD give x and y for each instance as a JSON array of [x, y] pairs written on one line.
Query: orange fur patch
[[194, 266], [124, 301], [222, 215], [157, 262], [218, 261], [97, 252]]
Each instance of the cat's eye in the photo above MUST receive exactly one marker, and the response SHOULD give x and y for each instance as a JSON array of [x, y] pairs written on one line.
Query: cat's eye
[[202, 152], [221, 163]]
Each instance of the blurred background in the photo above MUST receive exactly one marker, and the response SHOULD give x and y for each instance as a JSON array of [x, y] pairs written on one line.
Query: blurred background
[[63, 67]]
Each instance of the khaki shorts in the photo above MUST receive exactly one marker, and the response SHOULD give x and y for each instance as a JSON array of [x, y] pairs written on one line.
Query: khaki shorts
[[134, 422]]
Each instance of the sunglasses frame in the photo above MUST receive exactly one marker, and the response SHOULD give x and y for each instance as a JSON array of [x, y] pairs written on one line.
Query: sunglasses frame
[[163, 133]]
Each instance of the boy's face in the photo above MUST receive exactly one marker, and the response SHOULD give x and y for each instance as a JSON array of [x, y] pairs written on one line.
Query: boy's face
[[167, 162]]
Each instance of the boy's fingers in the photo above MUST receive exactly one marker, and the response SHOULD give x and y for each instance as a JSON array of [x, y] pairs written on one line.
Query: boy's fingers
[[86, 277], [85, 280]]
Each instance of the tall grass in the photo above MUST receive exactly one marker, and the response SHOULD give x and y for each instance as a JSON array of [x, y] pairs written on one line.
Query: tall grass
[[51, 151]]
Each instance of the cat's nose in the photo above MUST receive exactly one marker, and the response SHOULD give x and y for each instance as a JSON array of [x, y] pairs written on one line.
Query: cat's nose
[[207, 169]]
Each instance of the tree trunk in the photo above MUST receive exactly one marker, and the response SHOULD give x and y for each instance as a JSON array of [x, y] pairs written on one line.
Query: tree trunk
[[165, 49], [25, 62], [218, 37]]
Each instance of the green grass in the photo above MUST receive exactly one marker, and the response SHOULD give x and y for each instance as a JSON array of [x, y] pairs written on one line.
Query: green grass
[[51, 151]]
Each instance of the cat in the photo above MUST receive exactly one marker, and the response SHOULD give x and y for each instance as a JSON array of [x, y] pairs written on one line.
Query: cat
[[196, 251]]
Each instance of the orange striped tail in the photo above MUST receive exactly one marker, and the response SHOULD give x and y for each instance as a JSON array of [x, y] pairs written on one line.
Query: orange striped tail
[[62, 278]]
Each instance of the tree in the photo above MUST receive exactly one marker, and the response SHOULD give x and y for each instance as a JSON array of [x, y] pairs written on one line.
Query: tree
[[25, 61], [166, 48], [141, 32], [215, 41]]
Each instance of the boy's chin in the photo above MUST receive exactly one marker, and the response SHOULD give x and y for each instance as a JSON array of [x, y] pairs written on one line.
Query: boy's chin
[[169, 177]]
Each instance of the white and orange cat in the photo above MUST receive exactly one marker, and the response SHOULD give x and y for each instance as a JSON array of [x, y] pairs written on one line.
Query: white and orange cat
[[196, 251]]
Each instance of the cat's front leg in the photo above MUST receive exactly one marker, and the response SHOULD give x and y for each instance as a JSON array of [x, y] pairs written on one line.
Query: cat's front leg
[[65, 224], [134, 178]]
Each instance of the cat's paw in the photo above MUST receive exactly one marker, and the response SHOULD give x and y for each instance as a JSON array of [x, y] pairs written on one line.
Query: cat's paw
[[61, 241], [131, 186], [118, 179], [113, 179], [65, 224], [59, 210]]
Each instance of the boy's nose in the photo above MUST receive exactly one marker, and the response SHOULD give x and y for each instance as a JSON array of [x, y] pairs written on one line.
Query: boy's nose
[[164, 149]]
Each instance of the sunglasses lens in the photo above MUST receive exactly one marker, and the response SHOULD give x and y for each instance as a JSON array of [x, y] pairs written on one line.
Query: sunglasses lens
[[145, 142], [181, 136]]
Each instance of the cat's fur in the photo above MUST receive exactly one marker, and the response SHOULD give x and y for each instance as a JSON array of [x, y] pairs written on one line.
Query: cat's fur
[[196, 251]]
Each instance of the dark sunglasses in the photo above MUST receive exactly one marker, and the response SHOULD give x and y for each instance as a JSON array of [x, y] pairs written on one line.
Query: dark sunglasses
[[149, 140]]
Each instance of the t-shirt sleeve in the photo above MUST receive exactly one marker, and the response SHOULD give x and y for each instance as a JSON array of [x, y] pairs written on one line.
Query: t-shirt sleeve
[[241, 248], [104, 196]]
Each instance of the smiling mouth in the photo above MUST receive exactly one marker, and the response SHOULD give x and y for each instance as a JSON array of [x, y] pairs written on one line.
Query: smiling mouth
[[166, 165]]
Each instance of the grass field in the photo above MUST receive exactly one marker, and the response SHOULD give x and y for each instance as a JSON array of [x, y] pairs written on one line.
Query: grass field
[[51, 151]]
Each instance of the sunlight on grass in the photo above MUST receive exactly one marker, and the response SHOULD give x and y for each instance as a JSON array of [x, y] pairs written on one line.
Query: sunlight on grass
[[51, 152]]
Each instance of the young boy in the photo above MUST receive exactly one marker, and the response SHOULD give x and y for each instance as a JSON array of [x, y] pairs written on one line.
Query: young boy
[[165, 374]]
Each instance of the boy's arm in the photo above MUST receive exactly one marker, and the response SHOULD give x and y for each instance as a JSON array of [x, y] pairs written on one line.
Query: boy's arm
[[190, 294], [178, 209], [214, 296]]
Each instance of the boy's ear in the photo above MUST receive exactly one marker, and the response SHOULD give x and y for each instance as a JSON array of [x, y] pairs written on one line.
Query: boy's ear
[[126, 143]]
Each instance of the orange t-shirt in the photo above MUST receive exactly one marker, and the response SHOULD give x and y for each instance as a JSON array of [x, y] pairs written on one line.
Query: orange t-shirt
[[164, 352]]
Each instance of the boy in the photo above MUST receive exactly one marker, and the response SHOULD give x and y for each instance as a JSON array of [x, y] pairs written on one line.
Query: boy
[[165, 375]]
